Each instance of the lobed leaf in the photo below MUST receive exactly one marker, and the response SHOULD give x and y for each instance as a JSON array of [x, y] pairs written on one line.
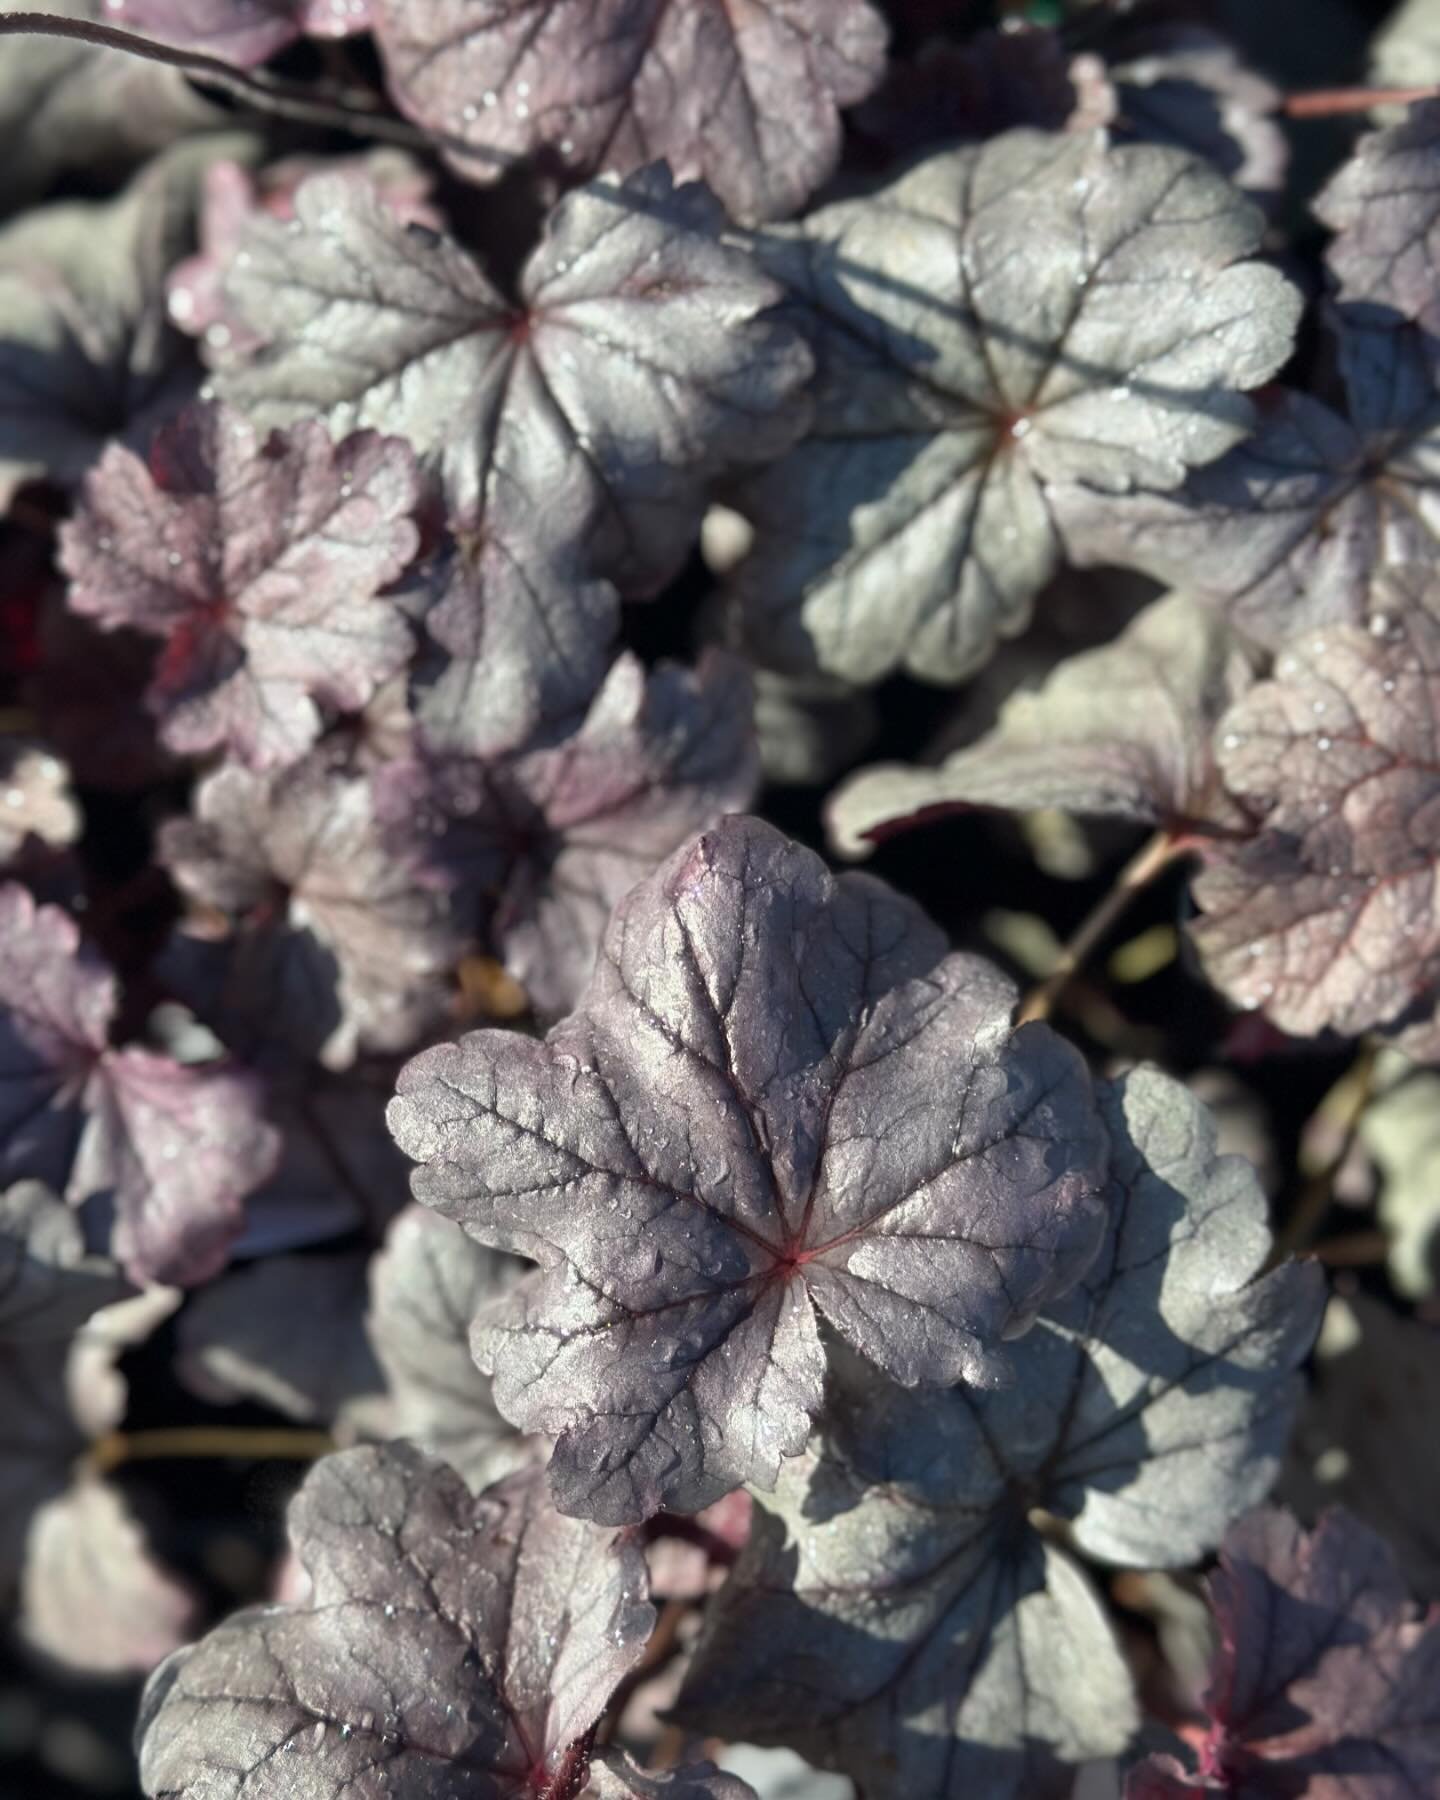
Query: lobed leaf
[[901, 1612], [777, 1095]]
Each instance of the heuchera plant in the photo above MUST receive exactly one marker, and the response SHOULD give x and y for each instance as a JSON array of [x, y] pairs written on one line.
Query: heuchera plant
[[523, 1276]]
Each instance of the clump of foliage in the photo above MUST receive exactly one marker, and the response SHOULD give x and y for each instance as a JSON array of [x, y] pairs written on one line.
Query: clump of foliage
[[500, 502]]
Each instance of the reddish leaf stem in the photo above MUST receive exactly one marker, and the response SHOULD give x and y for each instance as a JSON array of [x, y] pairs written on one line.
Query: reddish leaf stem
[[1334, 103]]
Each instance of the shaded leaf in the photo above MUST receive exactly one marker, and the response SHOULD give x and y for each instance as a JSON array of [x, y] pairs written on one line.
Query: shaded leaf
[[1325, 917], [86, 352], [897, 1615], [614, 1776], [552, 839], [454, 1648], [1121, 732], [259, 562], [48, 1285], [426, 1286], [778, 1094], [997, 345], [639, 356], [746, 99], [174, 1150], [1294, 527], [1326, 1683], [1400, 1130], [325, 945]]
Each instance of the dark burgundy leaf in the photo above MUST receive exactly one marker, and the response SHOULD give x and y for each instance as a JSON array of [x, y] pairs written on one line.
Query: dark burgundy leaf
[[1325, 918], [1123, 732], [1004, 341], [174, 1150], [454, 1648], [555, 837], [260, 564], [325, 945], [1327, 1683], [640, 360], [896, 1614], [246, 32], [747, 98], [778, 1094]]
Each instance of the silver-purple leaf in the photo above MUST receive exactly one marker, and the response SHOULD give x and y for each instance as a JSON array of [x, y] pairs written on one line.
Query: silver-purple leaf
[[259, 562], [551, 839], [1384, 206], [426, 1286], [173, 1150], [1327, 1682], [1325, 917], [246, 32], [778, 1099], [326, 945], [640, 359], [87, 354], [746, 99], [454, 1648], [1053, 311], [1124, 732], [1294, 527], [896, 1615]]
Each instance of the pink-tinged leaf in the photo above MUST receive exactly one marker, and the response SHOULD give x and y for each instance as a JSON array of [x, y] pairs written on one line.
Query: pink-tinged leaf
[[244, 32], [896, 1614], [551, 839], [1327, 1683], [1384, 206], [325, 946], [1057, 310], [1325, 917], [779, 1098], [1294, 527], [458, 1648], [173, 1150], [641, 357], [745, 97], [1122, 732], [259, 562], [92, 1595]]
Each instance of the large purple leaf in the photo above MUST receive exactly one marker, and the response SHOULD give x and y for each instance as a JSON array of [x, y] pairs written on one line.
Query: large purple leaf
[[1327, 1684], [1384, 206], [639, 360], [454, 1648], [246, 32], [897, 1615], [1054, 311], [259, 562], [778, 1095], [553, 838], [1122, 732], [174, 1150], [746, 97], [1326, 916], [86, 351], [1293, 527], [326, 945]]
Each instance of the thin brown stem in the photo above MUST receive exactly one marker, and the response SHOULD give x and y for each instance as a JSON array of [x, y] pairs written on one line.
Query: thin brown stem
[[1334, 103], [1153, 857], [1345, 1106], [261, 92], [281, 1444]]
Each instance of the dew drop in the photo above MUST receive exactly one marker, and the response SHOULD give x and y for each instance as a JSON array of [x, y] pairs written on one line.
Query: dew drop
[[1318, 707], [1232, 740], [173, 558], [489, 98], [470, 113], [1387, 686], [1323, 743], [1381, 625], [522, 111]]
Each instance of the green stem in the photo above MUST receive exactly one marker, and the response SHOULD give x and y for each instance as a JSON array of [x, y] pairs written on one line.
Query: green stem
[[281, 1444]]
